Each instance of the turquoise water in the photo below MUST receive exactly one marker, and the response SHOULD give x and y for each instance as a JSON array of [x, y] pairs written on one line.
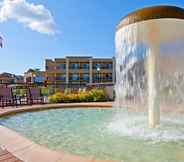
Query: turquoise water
[[103, 133]]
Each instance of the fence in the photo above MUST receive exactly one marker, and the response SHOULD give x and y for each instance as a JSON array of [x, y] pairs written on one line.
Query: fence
[[20, 89]]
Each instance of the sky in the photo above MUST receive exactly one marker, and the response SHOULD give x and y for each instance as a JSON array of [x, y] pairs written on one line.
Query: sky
[[34, 30]]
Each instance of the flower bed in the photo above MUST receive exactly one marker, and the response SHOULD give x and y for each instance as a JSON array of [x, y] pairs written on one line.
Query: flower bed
[[94, 95]]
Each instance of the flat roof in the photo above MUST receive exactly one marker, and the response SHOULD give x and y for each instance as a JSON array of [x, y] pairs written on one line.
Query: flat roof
[[80, 57]]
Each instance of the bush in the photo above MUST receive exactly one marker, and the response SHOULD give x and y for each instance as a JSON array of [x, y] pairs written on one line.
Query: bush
[[98, 95], [56, 98], [94, 95], [71, 98], [85, 97]]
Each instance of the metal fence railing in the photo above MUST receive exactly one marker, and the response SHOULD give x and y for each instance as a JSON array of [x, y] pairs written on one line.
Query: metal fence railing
[[20, 89]]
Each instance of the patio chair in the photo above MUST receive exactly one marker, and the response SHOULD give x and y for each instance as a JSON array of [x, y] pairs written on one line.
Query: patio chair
[[7, 98], [34, 96]]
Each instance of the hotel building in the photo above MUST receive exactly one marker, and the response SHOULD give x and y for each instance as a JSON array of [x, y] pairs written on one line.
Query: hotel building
[[80, 70]]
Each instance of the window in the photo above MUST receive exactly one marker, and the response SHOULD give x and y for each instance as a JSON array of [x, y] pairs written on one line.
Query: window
[[109, 66], [96, 65], [75, 77], [74, 65], [86, 77], [109, 76], [97, 77], [61, 67], [85, 66], [61, 77]]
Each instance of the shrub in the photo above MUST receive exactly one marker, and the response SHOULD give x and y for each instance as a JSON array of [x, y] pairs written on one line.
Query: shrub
[[58, 97], [98, 95], [85, 97], [94, 95], [82, 97], [71, 97]]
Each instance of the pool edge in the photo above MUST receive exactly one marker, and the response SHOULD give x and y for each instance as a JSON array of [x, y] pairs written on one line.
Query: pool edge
[[27, 150], [30, 108]]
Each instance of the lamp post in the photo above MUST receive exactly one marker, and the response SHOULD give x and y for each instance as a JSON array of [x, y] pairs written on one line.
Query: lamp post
[[98, 71]]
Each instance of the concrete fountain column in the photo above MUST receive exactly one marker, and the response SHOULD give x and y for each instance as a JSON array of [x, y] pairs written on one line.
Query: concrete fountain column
[[152, 68], [153, 87]]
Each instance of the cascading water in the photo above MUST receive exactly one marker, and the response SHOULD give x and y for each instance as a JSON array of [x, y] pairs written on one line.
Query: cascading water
[[150, 72]]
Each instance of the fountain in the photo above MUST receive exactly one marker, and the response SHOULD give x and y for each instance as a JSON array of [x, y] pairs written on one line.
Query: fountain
[[145, 62], [150, 82]]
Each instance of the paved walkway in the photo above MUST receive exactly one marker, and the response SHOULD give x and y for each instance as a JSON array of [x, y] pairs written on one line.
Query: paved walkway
[[22, 148], [6, 156]]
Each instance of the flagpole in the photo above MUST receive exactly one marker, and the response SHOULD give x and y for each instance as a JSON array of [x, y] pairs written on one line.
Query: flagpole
[[1, 42]]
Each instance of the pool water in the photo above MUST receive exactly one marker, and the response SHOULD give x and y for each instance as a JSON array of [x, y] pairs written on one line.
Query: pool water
[[103, 133]]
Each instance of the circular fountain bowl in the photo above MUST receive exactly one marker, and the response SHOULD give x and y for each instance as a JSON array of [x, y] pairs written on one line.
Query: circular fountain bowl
[[151, 13], [153, 24], [103, 133]]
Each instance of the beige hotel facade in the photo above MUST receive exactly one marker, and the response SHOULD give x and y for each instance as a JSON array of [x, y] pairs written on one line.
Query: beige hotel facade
[[80, 70]]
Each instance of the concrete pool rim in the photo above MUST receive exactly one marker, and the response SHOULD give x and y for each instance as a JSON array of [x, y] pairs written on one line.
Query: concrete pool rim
[[32, 108]]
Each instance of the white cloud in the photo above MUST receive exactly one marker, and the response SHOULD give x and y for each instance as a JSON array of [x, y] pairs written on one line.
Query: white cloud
[[36, 17]]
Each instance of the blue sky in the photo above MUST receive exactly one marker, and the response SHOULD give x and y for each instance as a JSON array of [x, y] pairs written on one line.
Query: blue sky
[[73, 27]]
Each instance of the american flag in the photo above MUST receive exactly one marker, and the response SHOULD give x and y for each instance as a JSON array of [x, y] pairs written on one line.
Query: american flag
[[1, 42]]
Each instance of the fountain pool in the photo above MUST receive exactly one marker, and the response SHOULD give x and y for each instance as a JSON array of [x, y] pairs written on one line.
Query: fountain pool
[[103, 134]]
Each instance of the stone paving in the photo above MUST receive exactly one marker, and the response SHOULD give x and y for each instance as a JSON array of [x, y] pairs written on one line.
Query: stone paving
[[18, 147], [6, 156]]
